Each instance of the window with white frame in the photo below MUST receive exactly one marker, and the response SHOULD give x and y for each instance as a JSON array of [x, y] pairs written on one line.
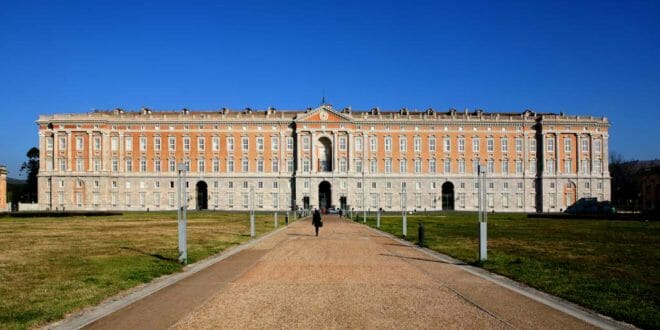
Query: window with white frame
[[260, 143], [432, 144], [343, 165], [446, 144], [305, 142], [373, 144], [358, 165], [432, 166], [568, 166], [585, 166], [519, 144], [597, 166], [230, 143], [475, 144], [289, 143], [388, 143], [201, 144], [157, 165], [417, 144], [186, 143], [215, 143], [245, 143], [461, 144], [171, 143], [597, 146], [418, 166], [403, 166], [275, 143], [274, 165], [388, 165], [260, 165], [490, 166], [532, 145], [201, 165], [305, 165], [172, 165], [505, 166], [585, 145], [550, 166], [532, 166], [490, 144], [342, 143], [505, 200], [216, 165], [505, 144], [79, 143], [143, 143], [447, 165], [373, 168], [519, 166], [157, 143], [461, 166], [567, 145], [289, 165], [358, 143], [97, 143], [62, 143], [245, 165], [403, 144], [550, 144]]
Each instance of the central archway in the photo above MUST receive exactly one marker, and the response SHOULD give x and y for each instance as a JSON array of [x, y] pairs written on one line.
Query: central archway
[[324, 149], [325, 195], [447, 196], [202, 195]]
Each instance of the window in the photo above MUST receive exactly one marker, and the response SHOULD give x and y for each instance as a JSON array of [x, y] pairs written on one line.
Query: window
[[505, 200], [490, 144], [403, 164], [597, 146], [532, 166], [461, 166], [79, 143], [201, 165], [358, 143], [490, 166], [143, 165], [432, 144], [475, 144], [519, 145], [597, 166], [388, 143], [519, 201], [567, 144], [417, 144], [260, 144], [245, 143], [143, 143], [388, 200], [461, 200], [216, 165], [97, 164], [388, 165], [461, 144], [305, 165], [403, 144], [186, 143], [418, 166], [260, 165], [447, 165], [585, 167], [373, 166], [587, 185], [215, 143], [342, 143], [305, 142], [79, 165], [49, 143], [275, 143], [568, 168], [553, 200], [550, 143], [342, 165], [275, 200], [171, 143], [432, 166], [157, 144], [358, 165], [585, 145], [505, 144], [230, 143], [475, 165], [289, 165], [201, 144], [115, 165], [505, 166], [114, 143], [373, 144], [289, 143], [446, 144], [550, 166], [519, 166], [274, 165], [97, 143], [245, 165]]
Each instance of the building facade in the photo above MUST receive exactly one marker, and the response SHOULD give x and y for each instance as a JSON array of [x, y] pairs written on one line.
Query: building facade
[[321, 157], [3, 188]]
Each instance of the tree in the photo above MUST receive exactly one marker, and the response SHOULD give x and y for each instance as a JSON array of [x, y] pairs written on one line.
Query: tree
[[31, 169], [625, 181]]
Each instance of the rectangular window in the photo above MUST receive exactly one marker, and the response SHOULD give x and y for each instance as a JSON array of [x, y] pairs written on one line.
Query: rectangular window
[[553, 200], [374, 166], [275, 200], [289, 143], [403, 144], [597, 166], [143, 143], [585, 145], [260, 144], [505, 145], [446, 144], [519, 166], [201, 144], [79, 143], [490, 145], [260, 165], [275, 165], [447, 165], [597, 146], [403, 164], [550, 144], [230, 165], [97, 165], [418, 166], [461, 200], [388, 144], [461, 166], [567, 144], [79, 165], [417, 144], [505, 201], [143, 165], [275, 143], [343, 165], [432, 144], [171, 143], [373, 143], [358, 165], [342, 143], [532, 145], [201, 165], [157, 145], [532, 166], [129, 165], [215, 143], [388, 165], [505, 167], [305, 142], [49, 143], [216, 165], [230, 143], [186, 143], [519, 144], [289, 165], [245, 165], [550, 166], [114, 143], [388, 200], [305, 165], [461, 144], [475, 144], [519, 201], [62, 143], [97, 143], [568, 166], [490, 166], [358, 143], [245, 143], [432, 166]]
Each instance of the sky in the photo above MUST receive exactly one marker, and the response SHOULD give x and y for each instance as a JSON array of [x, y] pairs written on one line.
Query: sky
[[597, 58]]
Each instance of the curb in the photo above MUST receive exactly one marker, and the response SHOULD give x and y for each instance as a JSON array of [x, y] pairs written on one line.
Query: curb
[[577, 311], [82, 318]]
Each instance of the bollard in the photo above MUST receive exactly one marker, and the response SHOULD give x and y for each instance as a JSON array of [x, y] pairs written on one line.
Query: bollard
[[276, 224], [378, 219], [420, 234], [286, 219]]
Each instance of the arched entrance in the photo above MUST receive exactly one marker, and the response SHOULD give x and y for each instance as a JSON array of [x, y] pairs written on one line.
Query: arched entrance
[[202, 195], [325, 195], [447, 196], [324, 154], [569, 194]]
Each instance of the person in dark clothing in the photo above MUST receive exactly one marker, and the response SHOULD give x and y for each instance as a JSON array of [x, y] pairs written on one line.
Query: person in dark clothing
[[340, 213], [316, 221]]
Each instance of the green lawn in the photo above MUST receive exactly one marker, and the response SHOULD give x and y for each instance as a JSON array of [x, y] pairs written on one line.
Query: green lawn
[[612, 267], [52, 266]]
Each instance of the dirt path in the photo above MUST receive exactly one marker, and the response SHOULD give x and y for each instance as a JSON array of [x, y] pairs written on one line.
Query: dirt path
[[348, 277]]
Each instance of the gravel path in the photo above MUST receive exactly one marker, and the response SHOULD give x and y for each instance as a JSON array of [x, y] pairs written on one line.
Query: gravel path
[[353, 277]]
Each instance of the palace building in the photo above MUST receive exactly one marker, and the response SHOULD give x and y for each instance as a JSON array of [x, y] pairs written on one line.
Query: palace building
[[321, 157]]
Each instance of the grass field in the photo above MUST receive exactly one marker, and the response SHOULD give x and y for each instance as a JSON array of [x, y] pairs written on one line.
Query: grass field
[[612, 267], [53, 266]]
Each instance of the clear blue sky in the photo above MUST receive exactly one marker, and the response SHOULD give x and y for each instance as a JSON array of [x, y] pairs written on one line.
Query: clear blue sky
[[594, 58]]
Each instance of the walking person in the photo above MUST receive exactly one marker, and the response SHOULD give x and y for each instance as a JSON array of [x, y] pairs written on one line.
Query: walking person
[[316, 221], [340, 213]]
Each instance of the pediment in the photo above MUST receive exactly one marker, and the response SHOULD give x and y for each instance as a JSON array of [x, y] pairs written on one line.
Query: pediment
[[324, 113]]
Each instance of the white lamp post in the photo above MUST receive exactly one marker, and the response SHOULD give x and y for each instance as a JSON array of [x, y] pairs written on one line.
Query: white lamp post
[[252, 233], [182, 211], [404, 201], [483, 215]]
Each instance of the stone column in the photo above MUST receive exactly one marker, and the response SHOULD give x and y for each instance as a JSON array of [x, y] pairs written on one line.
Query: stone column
[[349, 151], [69, 153], [299, 152], [333, 162], [313, 145], [557, 154], [90, 147]]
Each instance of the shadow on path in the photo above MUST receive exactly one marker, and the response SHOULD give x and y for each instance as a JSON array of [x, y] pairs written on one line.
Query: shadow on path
[[422, 259], [157, 256]]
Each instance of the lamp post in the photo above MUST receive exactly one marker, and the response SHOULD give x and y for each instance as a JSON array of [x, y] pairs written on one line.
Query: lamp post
[[182, 213], [364, 205], [403, 208], [483, 215], [252, 234]]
